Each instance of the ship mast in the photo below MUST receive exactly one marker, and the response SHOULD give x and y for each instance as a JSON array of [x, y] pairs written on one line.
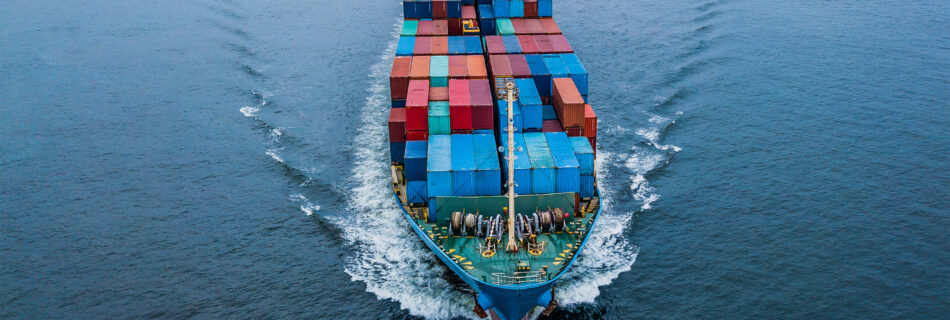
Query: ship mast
[[511, 94]]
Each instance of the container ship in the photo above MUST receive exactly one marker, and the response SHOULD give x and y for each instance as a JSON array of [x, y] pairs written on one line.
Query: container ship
[[492, 145]]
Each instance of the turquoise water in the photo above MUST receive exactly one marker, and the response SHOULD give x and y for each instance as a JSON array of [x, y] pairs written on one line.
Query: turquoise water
[[227, 159]]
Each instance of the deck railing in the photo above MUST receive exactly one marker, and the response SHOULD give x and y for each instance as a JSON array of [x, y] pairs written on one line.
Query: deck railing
[[520, 277]]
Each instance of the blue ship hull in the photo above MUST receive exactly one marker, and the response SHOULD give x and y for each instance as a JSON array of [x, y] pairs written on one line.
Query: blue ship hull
[[510, 302]]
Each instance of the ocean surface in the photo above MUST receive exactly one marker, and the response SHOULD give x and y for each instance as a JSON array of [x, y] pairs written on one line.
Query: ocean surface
[[227, 159]]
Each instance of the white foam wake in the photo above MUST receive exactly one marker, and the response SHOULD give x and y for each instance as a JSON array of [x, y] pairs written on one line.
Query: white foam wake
[[249, 111], [392, 262], [607, 254], [305, 205], [275, 154]]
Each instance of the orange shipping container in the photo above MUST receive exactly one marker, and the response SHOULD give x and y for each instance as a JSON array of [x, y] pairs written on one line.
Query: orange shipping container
[[550, 27], [590, 122], [399, 77], [438, 94], [440, 46], [420, 68], [440, 27], [458, 67], [568, 103], [476, 67]]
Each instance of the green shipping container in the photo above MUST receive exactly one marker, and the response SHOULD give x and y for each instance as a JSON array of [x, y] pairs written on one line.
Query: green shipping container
[[439, 71], [439, 122], [504, 27], [409, 27]]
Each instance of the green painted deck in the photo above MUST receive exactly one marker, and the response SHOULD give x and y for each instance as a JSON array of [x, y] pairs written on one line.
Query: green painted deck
[[503, 267]]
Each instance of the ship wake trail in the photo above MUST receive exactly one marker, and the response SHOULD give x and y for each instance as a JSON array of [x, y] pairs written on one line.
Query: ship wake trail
[[392, 262], [608, 252]]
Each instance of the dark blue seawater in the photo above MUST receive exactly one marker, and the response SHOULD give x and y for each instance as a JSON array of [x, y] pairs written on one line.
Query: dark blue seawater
[[227, 159]]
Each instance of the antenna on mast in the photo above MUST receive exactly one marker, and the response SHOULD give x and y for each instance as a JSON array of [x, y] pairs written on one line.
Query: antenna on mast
[[511, 94]]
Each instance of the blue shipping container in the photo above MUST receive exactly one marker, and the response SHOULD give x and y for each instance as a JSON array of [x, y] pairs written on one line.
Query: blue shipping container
[[439, 167], [399, 104], [584, 154], [523, 169], [540, 74], [397, 152], [500, 8], [487, 170], [545, 9], [409, 9], [511, 44], [516, 8], [416, 192], [484, 131], [406, 46], [577, 71], [587, 186], [463, 165], [532, 118], [568, 172], [454, 9], [457, 45], [503, 116], [416, 154], [424, 9], [486, 20], [473, 45], [544, 175], [556, 66]]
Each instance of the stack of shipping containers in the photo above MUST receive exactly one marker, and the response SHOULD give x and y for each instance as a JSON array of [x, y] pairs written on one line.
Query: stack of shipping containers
[[557, 126], [446, 119]]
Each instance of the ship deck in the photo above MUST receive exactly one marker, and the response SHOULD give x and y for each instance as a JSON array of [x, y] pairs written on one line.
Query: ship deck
[[503, 267]]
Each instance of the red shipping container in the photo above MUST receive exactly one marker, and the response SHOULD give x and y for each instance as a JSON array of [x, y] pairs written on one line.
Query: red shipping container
[[438, 94], [415, 135], [534, 26], [423, 46], [476, 67], [519, 26], [417, 103], [455, 26], [417, 118], [574, 131], [519, 66], [546, 100], [458, 67], [568, 103], [550, 27], [494, 44], [397, 125], [439, 9], [551, 126], [530, 8], [460, 105], [590, 121], [440, 27], [468, 12], [560, 43], [593, 144], [499, 65], [440, 45], [418, 95], [424, 28], [543, 41], [419, 69], [527, 44], [399, 77], [483, 116]]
